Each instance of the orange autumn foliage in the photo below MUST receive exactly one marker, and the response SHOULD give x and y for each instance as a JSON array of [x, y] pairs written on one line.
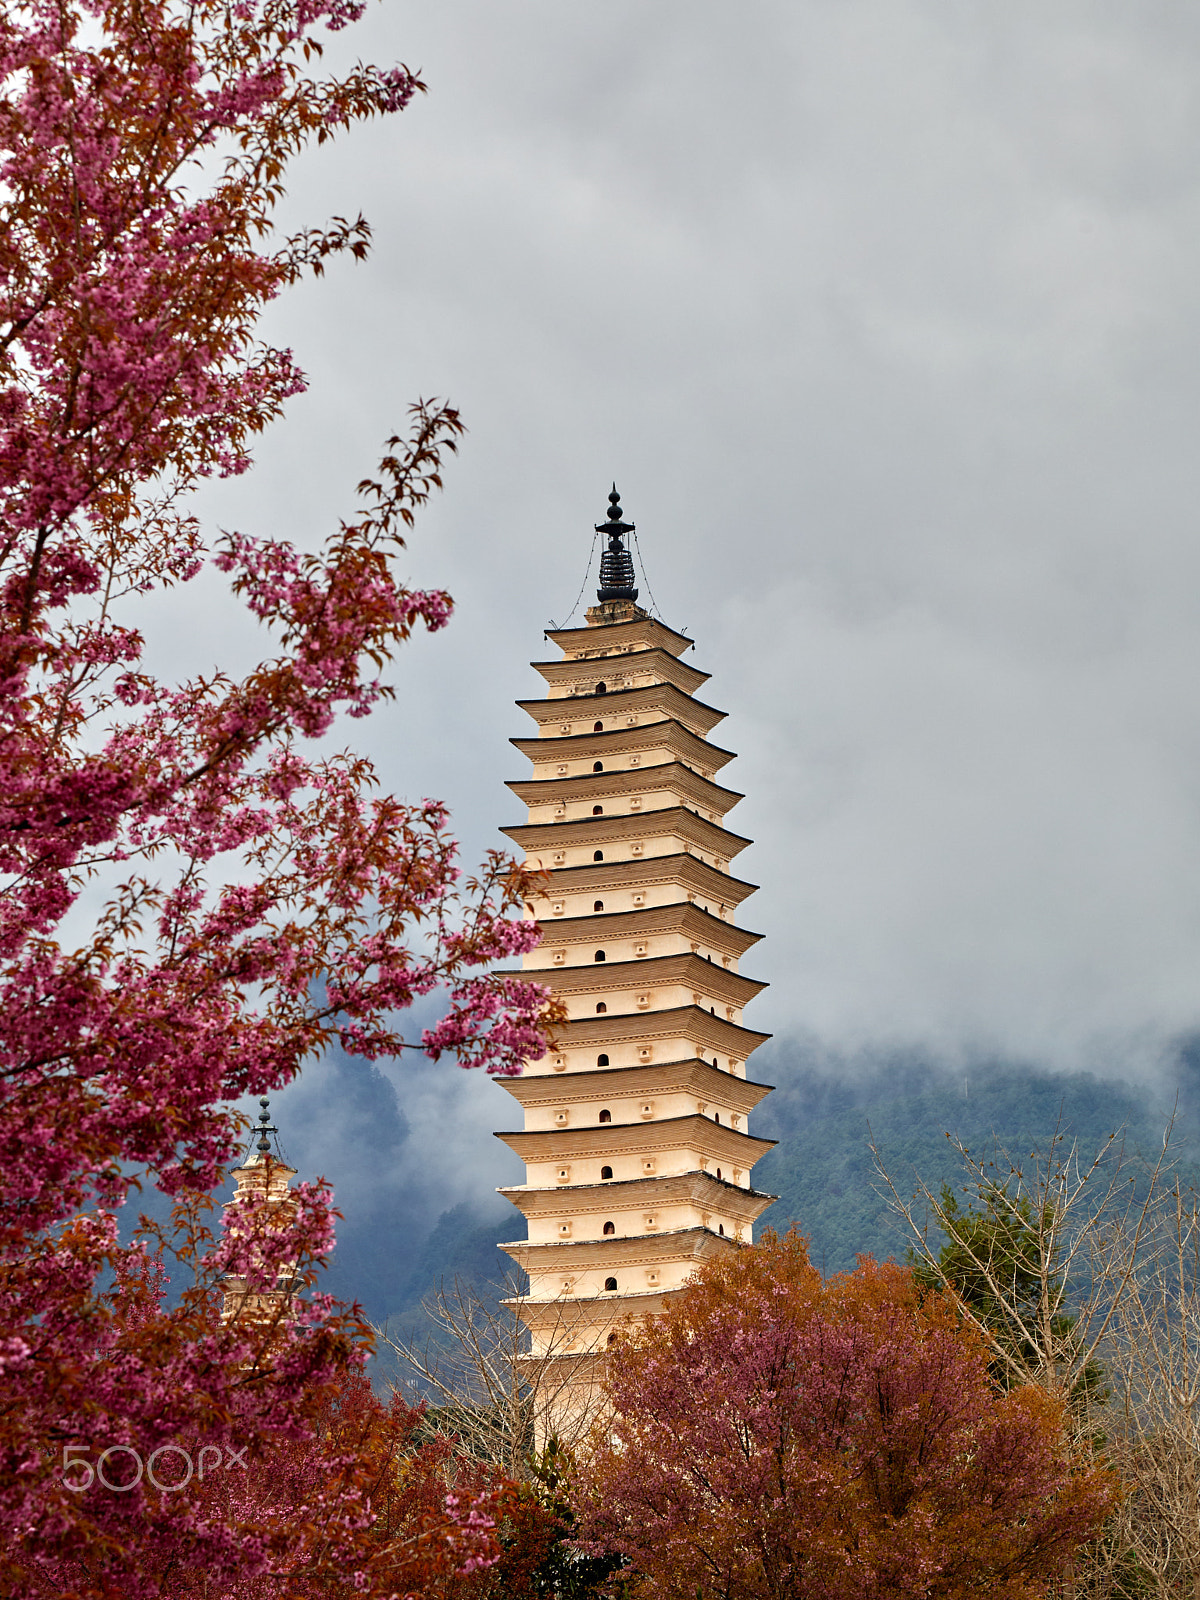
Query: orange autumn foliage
[[778, 1437]]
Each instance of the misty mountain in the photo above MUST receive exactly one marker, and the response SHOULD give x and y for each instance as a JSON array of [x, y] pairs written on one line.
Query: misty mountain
[[825, 1174], [824, 1112]]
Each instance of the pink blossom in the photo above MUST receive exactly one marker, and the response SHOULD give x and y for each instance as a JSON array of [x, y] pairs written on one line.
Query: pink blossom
[[260, 900]]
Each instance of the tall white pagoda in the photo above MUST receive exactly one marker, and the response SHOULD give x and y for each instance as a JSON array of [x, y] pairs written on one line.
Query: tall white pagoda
[[636, 1138]]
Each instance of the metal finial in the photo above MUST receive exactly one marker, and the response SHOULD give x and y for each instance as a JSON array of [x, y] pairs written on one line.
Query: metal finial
[[265, 1127], [616, 563]]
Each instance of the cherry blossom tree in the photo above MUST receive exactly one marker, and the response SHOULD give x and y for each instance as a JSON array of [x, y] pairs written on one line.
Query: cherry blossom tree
[[258, 896], [777, 1436], [426, 1515]]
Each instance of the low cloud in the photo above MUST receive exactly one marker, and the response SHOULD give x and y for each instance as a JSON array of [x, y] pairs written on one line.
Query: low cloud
[[885, 317]]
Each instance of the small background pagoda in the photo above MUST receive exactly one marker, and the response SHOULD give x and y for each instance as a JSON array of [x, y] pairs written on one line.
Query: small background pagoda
[[264, 1176], [636, 1133]]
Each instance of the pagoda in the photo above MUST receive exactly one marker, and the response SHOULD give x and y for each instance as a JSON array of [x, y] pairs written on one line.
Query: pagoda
[[636, 1138], [266, 1178]]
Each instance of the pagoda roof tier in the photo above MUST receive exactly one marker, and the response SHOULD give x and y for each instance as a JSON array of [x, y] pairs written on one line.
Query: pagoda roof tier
[[689, 970], [674, 776], [681, 870], [680, 741], [576, 1368], [691, 1245], [663, 697], [702, 1189], [615, 1252], [682, 916], [581, 674], [641, 633], [585, 832], [588, 1313], [691, 1075], [713, 1141], [691, 1022]]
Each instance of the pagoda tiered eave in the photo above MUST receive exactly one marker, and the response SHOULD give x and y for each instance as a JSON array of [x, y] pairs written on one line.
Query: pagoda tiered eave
[[580, 674], [622, 1251], [664, 698], [675, 822], [689, 1075], [683, 917], [681, 742], [713, 1140], [621, 782], [640, 633], [704, 1190], [691, 1022], [592, 1314], [687, 871], [688, 971], [688, 1243]]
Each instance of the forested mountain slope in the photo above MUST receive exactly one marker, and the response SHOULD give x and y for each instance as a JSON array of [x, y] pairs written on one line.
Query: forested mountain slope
[[824, 1112], [823, 1170]]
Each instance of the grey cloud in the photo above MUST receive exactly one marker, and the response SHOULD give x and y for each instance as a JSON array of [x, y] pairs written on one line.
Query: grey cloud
[[884, 316]]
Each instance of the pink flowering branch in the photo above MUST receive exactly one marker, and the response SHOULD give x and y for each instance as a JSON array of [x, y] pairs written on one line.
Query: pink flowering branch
[[260, 901]]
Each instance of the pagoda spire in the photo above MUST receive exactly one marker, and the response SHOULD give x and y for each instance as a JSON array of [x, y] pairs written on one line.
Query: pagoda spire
[[616, 563], [265, 1127]]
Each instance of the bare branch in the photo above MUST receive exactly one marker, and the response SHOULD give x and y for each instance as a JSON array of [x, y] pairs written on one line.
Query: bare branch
[[503, 1402], [1047, 1275]]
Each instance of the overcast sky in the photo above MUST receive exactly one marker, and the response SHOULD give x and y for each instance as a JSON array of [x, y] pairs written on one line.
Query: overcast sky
[[885, 316]]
